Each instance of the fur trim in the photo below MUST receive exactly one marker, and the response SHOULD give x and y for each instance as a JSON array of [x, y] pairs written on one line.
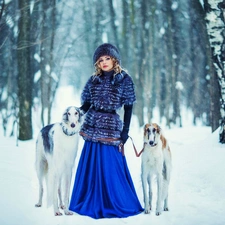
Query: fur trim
[[106, 49], [115, 79]]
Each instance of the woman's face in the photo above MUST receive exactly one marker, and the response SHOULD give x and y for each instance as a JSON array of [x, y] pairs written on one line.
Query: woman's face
[[105, 62]]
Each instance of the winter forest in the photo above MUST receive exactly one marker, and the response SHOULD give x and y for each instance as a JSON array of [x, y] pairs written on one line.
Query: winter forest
[[174, 51]]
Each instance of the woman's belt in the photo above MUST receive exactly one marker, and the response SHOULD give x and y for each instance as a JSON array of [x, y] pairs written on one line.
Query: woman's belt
[[100, 139], [120, 146], [103, 110]]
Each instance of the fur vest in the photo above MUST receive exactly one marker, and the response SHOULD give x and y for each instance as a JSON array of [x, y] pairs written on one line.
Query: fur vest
[[106, 94]]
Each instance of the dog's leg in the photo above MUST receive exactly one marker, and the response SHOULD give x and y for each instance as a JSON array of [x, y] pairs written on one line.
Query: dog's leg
[[159, 195], [67, 192], [165, 195], [165, 192], [166, 208], [145, 194], [166, 181], [41, 170], [55, 199], [39, 204], [150, 191], [60, 195]]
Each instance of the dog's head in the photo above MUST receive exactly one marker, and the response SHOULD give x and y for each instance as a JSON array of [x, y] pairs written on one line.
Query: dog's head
[[152, 132], [72, 118]]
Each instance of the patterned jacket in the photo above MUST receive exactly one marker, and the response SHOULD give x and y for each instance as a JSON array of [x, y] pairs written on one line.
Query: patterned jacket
[[106, 94]]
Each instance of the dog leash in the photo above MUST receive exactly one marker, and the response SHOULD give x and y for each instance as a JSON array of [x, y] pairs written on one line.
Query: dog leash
[[135, 150], [121, 148]]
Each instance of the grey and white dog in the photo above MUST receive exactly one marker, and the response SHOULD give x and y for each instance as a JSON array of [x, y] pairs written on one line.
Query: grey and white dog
[[56, 150]]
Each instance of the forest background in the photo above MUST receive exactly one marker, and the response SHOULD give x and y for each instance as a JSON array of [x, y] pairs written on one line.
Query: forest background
[[174, 51]]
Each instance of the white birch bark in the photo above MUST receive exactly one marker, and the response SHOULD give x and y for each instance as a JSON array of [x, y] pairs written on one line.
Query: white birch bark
[[215, 18]]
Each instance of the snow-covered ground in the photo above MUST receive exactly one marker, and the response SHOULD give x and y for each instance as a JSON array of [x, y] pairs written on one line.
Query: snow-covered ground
[[196, 193]]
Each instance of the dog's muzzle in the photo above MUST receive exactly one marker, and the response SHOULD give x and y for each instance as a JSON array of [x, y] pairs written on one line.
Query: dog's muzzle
[[152, 143], [72, 125]]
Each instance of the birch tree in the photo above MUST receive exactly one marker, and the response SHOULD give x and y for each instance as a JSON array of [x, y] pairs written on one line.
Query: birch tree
[[215, 19]]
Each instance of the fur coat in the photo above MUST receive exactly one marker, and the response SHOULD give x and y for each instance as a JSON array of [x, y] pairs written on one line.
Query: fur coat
[[106, 94]]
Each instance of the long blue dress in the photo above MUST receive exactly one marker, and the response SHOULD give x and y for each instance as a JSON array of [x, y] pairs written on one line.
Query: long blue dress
[[103, 187]]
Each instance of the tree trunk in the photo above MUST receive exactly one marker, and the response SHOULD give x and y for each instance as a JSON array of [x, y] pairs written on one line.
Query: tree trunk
[[170, 63], [125, 35], [139, 106], [215, 17], [48, 85], [25, 80], [113, 23], [215, 103], [2, 7]]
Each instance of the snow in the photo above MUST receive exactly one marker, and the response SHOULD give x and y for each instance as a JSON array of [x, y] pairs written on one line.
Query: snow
[[196, 193], [179, 85]]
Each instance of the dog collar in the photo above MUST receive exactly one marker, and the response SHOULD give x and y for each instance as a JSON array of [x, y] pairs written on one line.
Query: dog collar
[[65, 131]]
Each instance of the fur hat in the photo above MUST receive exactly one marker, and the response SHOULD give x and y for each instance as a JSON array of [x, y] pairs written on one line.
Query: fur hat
[[106, 49]]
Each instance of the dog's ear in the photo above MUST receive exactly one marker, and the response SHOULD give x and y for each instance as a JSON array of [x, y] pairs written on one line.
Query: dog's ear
[[65, 114], [145, 128], [81, 113], [159, 129]]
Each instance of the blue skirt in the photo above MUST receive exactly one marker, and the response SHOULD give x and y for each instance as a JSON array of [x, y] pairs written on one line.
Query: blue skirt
[[103, 187]]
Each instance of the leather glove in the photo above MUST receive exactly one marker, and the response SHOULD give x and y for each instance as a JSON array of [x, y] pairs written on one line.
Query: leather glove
[[124, 135], [126, 123], [85, 107]]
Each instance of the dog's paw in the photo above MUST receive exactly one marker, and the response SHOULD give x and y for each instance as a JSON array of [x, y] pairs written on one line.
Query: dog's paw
[[37, 205], [158, 213], [166, 209], [58, 214], [68, 213], [147, 211], [62, 206]]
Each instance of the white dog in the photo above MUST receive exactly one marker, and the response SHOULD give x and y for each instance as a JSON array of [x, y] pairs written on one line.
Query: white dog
[[156, 161], [56, 150]]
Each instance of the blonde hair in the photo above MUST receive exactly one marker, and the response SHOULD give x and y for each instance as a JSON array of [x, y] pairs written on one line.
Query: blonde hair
[[116, 67]]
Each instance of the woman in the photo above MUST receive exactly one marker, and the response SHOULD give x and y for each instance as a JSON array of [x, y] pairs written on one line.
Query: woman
[[103, 187]]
